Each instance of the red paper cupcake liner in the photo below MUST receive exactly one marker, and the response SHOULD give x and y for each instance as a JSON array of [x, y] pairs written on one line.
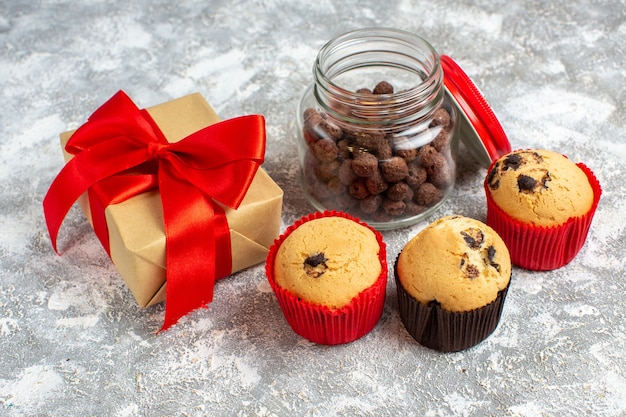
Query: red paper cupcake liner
[[542, 248], [447, 331], [321, 324]]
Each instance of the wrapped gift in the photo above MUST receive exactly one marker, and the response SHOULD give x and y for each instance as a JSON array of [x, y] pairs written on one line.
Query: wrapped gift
[[176, 196]]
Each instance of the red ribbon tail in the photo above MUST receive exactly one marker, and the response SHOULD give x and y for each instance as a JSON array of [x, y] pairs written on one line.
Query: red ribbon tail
[[197, 245]]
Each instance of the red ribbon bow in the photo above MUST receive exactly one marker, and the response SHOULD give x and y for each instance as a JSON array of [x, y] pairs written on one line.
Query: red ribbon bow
[[121, 150]]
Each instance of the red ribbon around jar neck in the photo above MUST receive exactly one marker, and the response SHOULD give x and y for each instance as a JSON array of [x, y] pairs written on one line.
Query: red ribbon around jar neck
[[217, 163]]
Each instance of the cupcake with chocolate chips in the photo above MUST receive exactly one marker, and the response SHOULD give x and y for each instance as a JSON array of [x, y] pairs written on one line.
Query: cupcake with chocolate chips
[[329, 273], [542, 205], [452, 280]]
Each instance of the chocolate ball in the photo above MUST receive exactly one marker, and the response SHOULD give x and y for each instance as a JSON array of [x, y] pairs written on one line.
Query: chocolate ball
[[358, 189], [400, 191], [371, 203], [394, 208], [327, 170], [376, 184], [346, 174], [442, 176], [417, 175], [428, 195], [365, 164], [335, 186], [325, 150], [413, 209], [383, 87], [441, 141], [441, 118], [394, 169]]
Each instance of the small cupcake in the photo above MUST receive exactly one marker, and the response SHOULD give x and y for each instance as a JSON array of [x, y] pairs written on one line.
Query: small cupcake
[[452, 280], [329, 273], [542, 204]]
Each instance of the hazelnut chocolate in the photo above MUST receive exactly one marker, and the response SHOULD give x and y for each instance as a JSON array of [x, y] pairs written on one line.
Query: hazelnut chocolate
[[394, 169], [335, 186], [358, 189], [400, 191], [395, 208], [325, 150], [383, 87], [417, 175], [428, 195], [441, 118], [327, 170], [376, 184], [346, 174], [371, 203], [365, 164]]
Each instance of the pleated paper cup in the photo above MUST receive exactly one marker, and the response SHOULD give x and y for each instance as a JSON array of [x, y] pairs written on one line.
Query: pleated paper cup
[[447, 331], [542, 248], [321, 324]]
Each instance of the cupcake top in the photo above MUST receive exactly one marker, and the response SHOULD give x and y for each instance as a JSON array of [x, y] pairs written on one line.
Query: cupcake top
[[459, 262], [539, 187], [328, 261]]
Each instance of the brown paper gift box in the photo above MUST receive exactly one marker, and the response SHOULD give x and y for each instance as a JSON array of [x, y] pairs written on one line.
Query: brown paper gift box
[[136, 231]]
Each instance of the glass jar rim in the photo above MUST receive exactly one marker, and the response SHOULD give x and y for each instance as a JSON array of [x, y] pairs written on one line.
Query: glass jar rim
[[388, 34]]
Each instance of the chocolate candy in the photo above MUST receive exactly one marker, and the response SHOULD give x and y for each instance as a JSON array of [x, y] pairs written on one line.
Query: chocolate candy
[[428, 195], [346, 173], [395, 208], [365, 164], [383, 87], [325, 150], [441, 118], [394, 169], [358, 189], [400, 191], [376, 184], [371, 203], [374, 171]]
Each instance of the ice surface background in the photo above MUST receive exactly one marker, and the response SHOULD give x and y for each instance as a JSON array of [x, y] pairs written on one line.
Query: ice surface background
[[74, 342]]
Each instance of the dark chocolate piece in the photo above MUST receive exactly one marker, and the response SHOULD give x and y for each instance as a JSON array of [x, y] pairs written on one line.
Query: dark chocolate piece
[[491, 254], [513, 161], [526, 183], [315, 265], [491, 178], [473, 237], [471, 271]]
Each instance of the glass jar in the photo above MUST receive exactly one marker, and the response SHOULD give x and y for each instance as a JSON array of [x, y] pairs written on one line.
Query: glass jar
[[377, 133]]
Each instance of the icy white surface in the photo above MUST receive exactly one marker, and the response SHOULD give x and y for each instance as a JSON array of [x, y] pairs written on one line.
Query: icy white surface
[[74, 343]]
